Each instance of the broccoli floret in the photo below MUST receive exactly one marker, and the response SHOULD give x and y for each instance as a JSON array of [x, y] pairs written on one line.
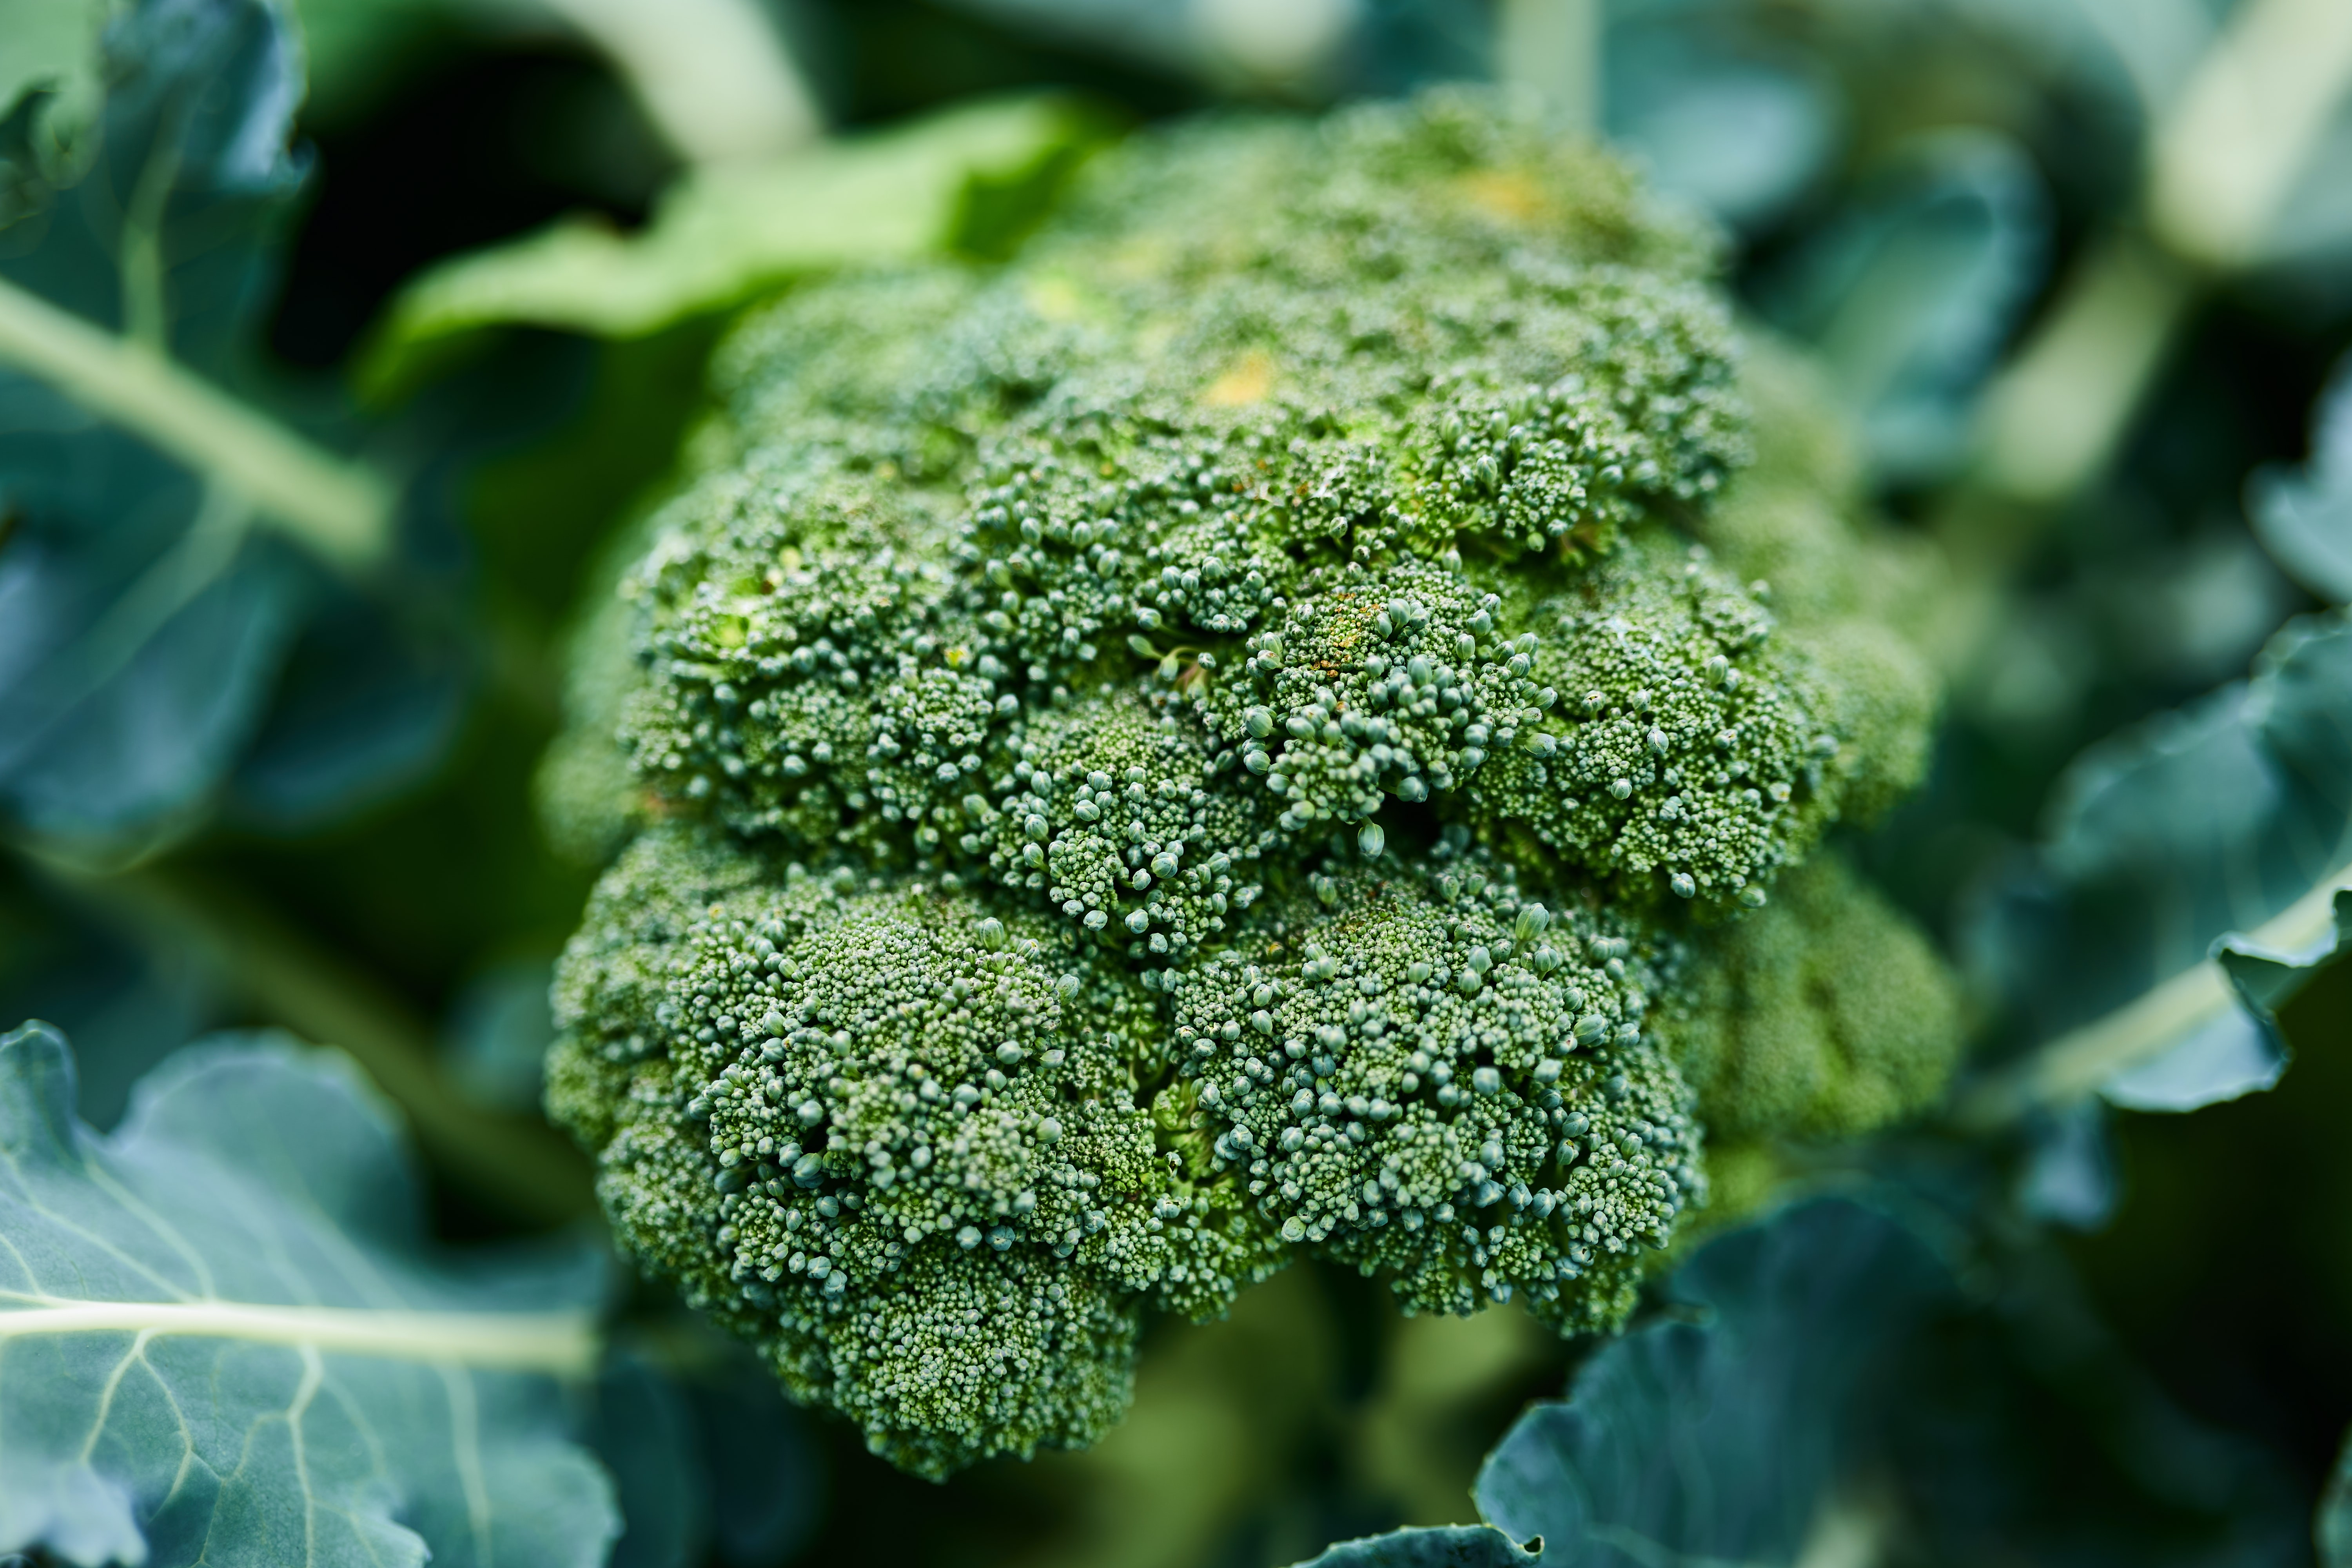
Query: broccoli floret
[[1179, 752], [1429, 1076], [882, 1124], [1687, 747], [1823, 1015]]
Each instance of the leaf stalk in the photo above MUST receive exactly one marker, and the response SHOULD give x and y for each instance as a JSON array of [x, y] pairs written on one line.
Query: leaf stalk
[[339, 511]]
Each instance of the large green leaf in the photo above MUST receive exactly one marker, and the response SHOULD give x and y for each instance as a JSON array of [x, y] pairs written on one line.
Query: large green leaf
[[728, 232], [187, 585], [1721, 1438], [2187, 889], [225, 1338], [1909, 295]]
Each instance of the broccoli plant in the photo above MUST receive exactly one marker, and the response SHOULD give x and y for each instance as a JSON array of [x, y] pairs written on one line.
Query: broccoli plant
[[1267, 725]]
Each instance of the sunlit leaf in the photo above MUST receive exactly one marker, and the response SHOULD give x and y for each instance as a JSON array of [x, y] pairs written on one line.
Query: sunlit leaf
[[728, 233], [224, 1337], [51, 45]]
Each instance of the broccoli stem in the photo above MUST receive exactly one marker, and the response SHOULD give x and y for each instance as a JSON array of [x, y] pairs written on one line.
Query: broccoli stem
[[340, 511], [1554, 48]]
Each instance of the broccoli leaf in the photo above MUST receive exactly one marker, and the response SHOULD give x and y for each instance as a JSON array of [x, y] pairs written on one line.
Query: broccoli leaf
[[224, 1338], [953, 182], [1446, 1546], [2335, 1526], [1716, 1434], [1717, 122], [51, 45], [1910, 295], [165, 542], [705, 1452], [1720, 1440], [2233, 816], [2304, 520]]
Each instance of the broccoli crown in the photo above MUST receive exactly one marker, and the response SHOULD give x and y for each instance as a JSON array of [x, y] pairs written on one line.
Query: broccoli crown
[[1197, 746]]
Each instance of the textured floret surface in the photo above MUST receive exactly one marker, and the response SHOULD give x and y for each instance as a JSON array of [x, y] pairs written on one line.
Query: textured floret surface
[[1243, 732]]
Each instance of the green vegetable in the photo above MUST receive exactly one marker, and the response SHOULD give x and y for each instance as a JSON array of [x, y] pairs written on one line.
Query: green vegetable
[[225, 1338], [1205, 744]]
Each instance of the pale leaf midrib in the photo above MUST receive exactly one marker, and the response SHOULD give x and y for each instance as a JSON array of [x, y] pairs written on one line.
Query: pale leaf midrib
[[563, 1345]]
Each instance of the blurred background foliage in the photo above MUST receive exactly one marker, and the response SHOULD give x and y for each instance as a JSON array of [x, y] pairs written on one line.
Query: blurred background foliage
[[2081, 268]]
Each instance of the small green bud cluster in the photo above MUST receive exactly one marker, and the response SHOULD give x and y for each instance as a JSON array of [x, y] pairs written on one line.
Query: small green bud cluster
[[1437, 1080]]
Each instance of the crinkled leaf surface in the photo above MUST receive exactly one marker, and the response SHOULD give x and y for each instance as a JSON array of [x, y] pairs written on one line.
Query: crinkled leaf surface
[[224, 1338], [728, 233], [2305, 519], [2222, 829]]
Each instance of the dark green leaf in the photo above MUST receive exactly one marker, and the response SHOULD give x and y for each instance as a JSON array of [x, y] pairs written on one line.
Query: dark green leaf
[[1719, 1440], [1447, 1546], [158, 564], [2221, 829], [2069, 1174], [705, 1452], [1910, 295], [1717, 1435], [227, 1341], [1742, 136], [645, 1437]]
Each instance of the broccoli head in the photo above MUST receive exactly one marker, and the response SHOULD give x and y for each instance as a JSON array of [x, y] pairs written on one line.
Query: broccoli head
[[1256, 728]]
